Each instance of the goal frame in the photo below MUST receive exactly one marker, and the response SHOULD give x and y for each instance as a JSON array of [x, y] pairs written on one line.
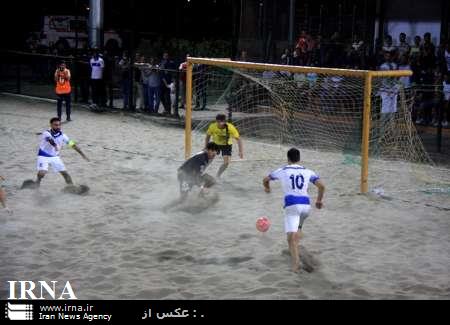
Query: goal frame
[[366, 76]]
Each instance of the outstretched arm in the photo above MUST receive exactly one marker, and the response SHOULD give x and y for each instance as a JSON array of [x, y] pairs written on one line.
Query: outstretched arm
[[266, 184], [241, 148], [77, 149], [321, 188], [208, 137]]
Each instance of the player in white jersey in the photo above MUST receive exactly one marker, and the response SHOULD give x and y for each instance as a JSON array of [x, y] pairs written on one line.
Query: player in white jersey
[[52, 141], [294, 180]]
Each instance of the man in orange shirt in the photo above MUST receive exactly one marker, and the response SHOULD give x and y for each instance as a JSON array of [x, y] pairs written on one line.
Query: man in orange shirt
[[63, 89]]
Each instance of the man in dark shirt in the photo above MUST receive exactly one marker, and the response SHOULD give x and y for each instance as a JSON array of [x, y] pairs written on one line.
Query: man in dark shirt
[[192, 172]]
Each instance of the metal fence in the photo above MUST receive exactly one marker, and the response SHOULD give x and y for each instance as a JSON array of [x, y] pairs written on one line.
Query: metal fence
[[33, 75]]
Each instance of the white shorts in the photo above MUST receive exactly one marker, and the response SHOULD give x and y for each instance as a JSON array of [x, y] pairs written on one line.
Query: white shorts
[[55, 162], [447, 96], [294, 216]]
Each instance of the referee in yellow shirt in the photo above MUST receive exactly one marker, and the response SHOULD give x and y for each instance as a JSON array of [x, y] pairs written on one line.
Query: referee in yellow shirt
[[222, 133]]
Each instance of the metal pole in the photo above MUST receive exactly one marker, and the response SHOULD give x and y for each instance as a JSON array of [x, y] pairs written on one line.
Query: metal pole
[[188, 116], [19, 81], [96, 23], [177, 94], [353, 22], [291, 22], [366, 133], [76, 26], [320, 19], [439, 128]]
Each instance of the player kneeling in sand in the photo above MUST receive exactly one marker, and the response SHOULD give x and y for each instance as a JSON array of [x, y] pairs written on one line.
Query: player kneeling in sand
[[52, 141], [294, 179], [192, 172]]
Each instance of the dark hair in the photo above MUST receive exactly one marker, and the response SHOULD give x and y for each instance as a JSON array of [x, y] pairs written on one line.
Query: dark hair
[[62, 62], [212, 146], [55, 119], [293, 155], [221, 117]]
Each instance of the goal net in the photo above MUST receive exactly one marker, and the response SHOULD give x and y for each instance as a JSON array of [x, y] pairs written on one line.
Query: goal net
[[321, 111]]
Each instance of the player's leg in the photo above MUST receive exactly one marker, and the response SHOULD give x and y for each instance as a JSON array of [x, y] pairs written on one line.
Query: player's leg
[[208, 181], [59, 167], [226, 153], [42, 168], [291, 224], [185, 187], [205, 181], [66, 177], [68, 100], [3, 197], [292, 238]]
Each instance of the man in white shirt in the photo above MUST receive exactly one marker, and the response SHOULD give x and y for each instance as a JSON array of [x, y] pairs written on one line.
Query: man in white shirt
[[447, 57], [294, 180], [403, 46], [51, 143], [388, 90], [98, 87]]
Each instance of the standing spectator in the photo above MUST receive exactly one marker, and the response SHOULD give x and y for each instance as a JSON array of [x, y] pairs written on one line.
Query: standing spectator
[[243, 57], [297, 58], [415, 49], [138, 87], [108, 79], [403, 46], [124, 65], [154, 87], [388, 45], [404, 65], [172, 93], [447, 58], [302, 47], [63, 89], [428, 54], [97, 65], [446, 107], [182, 69], [166, 80], [388, 92], [146, 72], [426, 97], [427, 44], [286, 57]]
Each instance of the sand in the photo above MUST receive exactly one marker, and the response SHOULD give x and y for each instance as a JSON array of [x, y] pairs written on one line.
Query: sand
[[117, 243]]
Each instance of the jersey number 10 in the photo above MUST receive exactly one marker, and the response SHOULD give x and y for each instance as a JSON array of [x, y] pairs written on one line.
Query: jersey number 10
[[297, 181]]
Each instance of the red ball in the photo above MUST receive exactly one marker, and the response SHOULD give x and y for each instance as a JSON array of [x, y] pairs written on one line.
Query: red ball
[[263, 224]]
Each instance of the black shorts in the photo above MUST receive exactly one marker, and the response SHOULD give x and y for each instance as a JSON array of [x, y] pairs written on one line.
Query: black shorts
[[187, 182], [225, 149]]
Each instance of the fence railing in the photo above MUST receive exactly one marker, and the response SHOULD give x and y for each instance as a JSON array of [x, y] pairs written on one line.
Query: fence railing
[[33, 75]]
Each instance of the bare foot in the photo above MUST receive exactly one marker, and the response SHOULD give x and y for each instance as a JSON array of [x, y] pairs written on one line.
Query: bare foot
[[296, 268]]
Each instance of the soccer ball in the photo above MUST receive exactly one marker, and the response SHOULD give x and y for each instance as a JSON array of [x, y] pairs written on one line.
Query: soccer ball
[[263, 224]]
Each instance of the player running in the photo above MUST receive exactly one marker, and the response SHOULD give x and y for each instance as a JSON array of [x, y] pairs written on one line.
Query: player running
[[222, 133], [52, 141], [294, 179]]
